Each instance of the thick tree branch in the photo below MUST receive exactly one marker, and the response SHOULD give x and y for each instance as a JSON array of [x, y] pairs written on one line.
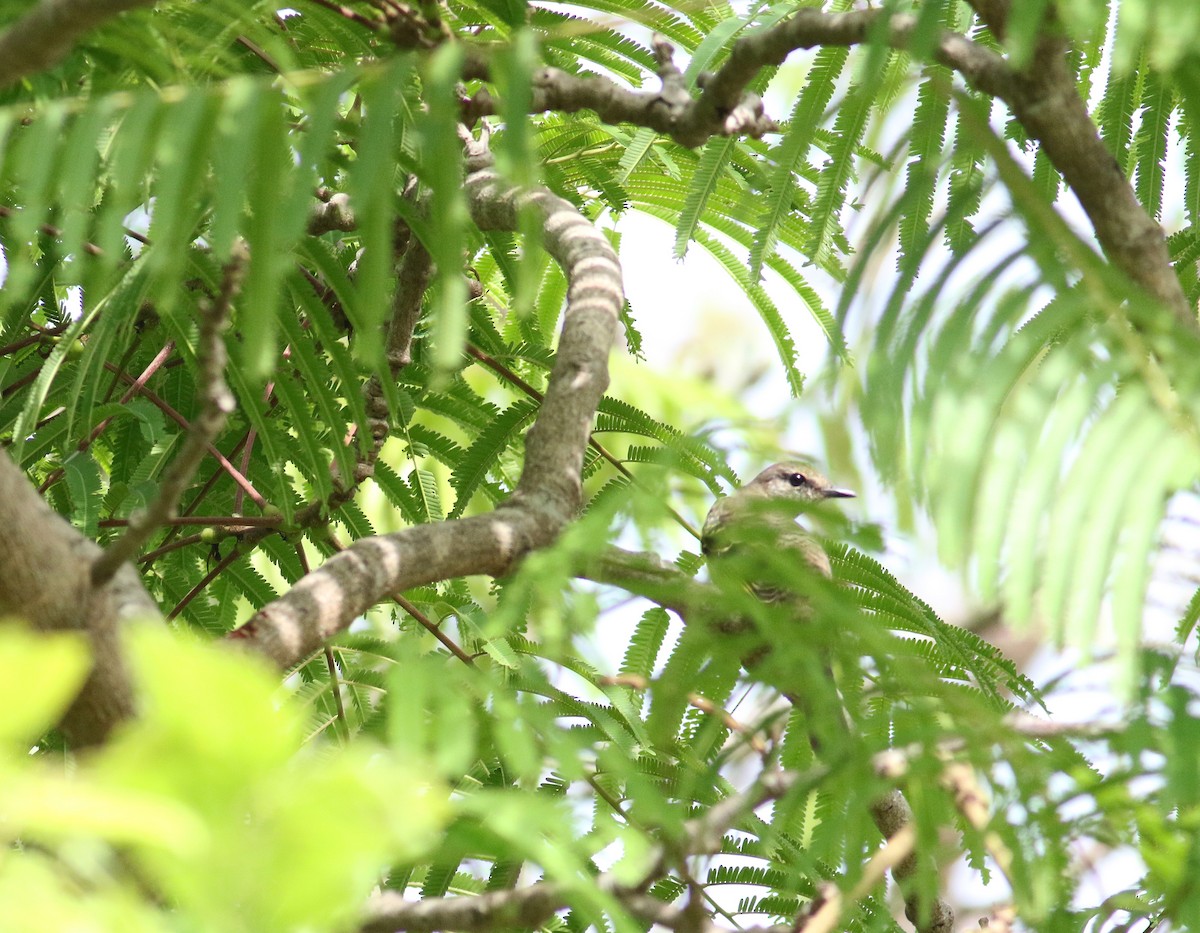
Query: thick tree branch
[[524, 909], [615, 462], [810, 28], [518, 908], [1045, 99], [994, 14], [670, 111], [412, 280], [46, 580], [332, 213], [549, 492], [43, 36], [893, 815]]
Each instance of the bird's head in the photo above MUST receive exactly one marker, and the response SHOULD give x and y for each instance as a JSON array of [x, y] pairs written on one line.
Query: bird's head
[[768, 506], [793, 481], [779, 493]]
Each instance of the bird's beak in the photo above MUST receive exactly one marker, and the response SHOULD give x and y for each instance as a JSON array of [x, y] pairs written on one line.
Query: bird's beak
[[835, 493]]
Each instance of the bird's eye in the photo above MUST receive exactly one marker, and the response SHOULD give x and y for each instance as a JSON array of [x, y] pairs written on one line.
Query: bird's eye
[[797, 479]]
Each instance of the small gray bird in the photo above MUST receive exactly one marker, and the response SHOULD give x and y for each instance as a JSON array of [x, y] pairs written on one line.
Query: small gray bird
[[764, 512], [760, 519]]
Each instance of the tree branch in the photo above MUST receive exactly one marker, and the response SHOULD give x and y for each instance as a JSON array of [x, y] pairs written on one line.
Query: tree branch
[[994, 14], [530, 907], [517, 908], [1045, 99], [226, 466], [648, 575], [825, 911], [523, 909], [412, 280], [332, 213], [43, 36], [548, 494], [416, 269], [46, 580], [670, 111], [892, 815], [724, 108], [811, 27]]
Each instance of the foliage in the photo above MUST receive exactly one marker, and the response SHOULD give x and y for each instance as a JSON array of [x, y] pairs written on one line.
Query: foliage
[[216, 804], [1014, 383]]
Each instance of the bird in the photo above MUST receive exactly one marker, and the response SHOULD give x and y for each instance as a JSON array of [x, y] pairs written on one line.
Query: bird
[[764, 512], [758, 523]]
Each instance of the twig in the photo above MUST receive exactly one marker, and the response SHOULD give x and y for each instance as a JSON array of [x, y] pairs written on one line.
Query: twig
[[19, 384], [208, 578], [336, 689], [434, 629], [232, 523], [234, 473], [218, 401], [198, 498], [247, 453], [178, 543], [151, 368], [330, 663], [706, 834], [696, 701], [39, 334], [52, 231], [959, 778]]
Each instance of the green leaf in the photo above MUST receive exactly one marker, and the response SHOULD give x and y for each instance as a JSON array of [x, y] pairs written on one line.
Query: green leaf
[[447, 209], [806, 116], [44, 674]]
